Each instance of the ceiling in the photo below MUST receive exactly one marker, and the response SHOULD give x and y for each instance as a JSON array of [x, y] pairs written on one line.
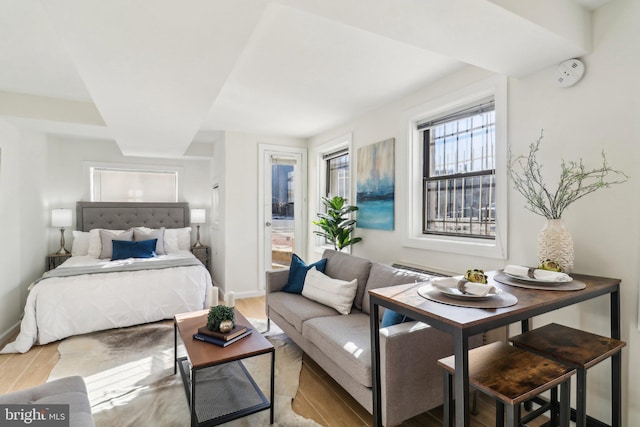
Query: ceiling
[[156, 75]]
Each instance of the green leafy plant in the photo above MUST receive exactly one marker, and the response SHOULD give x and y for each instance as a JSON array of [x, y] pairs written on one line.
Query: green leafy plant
[[575, 181], [218, 314], [336, 224]]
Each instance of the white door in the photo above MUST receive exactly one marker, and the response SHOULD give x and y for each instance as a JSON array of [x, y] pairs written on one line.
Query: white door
[[282, 220]]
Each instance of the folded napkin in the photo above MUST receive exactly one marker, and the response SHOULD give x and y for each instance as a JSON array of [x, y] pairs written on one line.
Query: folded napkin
[[549, 276], [458, 282]]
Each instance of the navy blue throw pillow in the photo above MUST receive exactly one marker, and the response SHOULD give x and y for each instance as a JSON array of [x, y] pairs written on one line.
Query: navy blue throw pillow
[[298, 272], [123, 249], [390, 317]]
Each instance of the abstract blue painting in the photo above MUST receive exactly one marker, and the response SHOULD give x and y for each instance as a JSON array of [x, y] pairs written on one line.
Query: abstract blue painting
[[376, 185]]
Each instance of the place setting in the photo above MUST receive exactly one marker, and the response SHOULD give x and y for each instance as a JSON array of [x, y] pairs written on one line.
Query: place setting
[[471, 290], [546, 276]]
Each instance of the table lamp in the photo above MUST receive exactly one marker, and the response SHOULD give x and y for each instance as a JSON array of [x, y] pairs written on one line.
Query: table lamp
[[61, 218], [198, 216]]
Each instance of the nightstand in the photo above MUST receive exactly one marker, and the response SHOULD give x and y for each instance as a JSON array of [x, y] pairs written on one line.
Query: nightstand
[[54, 260], [202, 253]]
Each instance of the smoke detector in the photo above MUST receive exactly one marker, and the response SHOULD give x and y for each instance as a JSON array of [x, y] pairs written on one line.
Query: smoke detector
[[569, 72]]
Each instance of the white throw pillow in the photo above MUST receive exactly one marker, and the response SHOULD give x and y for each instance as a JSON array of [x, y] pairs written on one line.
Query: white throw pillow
[[95, 243], [177, 239], [338, 294], [141, 233], [80, 244], [107, 237]]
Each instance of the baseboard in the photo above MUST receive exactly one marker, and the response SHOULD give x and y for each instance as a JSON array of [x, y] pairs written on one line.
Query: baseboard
[[4, 338], [250, 294]]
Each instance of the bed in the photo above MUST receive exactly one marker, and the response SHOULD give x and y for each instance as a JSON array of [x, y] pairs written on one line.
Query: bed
[[105, 285]]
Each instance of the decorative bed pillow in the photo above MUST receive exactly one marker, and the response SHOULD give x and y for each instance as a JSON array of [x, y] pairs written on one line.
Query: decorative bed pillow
[[338, 294], [95, 244], [140, 234], [80, 244], [123, 249], [107, 237], [177, 239], [297, 273]]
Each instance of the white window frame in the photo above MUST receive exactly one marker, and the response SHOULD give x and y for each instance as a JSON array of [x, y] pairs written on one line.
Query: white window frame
[[412, 234], [88, 166], [336, 144]]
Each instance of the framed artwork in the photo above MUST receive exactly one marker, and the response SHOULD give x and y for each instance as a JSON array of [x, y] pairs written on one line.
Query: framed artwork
[[376, 185]]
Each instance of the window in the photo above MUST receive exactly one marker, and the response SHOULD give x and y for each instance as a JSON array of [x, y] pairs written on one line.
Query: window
[[459, 172], [337, 176], [334, 174], [114, 183], [456, 172]]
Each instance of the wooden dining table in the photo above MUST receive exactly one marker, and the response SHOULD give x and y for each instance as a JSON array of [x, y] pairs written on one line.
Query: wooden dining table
[[464, 322]]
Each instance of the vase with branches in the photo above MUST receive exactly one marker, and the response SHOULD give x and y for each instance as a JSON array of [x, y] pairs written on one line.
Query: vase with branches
[[336, 224], [575, 182]]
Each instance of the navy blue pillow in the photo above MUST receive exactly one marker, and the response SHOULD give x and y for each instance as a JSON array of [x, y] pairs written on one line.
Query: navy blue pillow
[[123, 249], [390, 317], [298, 272]]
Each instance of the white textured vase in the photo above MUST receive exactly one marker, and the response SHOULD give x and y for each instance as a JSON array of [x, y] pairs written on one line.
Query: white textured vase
[[555, 243]]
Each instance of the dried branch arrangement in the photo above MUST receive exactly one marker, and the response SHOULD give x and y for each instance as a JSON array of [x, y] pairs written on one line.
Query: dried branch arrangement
[[575, 181]]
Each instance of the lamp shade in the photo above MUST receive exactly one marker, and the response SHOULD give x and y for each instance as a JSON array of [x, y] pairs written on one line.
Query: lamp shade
[[61, 217], [198, 216]]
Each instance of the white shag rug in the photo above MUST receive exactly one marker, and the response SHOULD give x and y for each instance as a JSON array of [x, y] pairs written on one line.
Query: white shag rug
[[130, 380]]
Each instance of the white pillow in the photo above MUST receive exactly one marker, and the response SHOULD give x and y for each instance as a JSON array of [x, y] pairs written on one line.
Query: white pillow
[[143, 233], [177, 239], [80, 244], [95, 243], [338, 294], [107, 237]]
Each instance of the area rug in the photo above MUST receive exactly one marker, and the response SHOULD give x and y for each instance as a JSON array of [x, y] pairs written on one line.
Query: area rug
[[130, 380]]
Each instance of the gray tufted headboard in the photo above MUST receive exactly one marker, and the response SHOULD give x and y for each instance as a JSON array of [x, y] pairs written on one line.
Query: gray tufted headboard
[[122, 216]]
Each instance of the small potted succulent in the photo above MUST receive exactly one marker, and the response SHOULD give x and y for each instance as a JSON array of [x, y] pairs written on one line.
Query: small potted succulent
[[221, 318]]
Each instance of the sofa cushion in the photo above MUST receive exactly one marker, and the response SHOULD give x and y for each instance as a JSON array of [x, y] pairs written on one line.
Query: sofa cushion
[[298, 271], [348, 267], [334, 293], [346, 341], [382, 276], [297, 309], [70, 390]]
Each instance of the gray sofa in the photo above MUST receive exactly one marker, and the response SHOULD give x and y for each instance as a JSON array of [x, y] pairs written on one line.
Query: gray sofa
[[71, 391], [341, 344]]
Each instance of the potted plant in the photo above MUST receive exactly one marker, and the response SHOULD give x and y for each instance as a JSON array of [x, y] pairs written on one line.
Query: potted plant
[[554, 241], [221, 318], [336, 224]]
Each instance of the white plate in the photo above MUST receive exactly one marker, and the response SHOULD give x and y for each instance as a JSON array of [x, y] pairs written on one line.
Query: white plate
[[529, 279], [455, 293]]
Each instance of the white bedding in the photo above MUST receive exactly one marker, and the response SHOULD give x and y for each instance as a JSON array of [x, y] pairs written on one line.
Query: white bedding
[[58, 307]]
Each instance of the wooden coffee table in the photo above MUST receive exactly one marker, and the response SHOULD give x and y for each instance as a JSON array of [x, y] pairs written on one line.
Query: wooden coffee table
[[218, 386]]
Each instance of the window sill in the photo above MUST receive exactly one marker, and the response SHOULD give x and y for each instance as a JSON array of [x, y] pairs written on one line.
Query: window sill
[[458, 245]]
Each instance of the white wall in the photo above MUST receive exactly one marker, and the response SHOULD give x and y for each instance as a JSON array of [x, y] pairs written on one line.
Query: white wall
[[241, 209], [217, 242], [23, 219], [601, 112], [68, 184]]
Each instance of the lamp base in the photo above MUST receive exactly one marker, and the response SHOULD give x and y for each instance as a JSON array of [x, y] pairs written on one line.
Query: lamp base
[[62, 250], [198, 244]]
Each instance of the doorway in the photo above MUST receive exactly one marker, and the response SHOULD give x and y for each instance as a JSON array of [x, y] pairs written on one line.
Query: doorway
[[283, 210]]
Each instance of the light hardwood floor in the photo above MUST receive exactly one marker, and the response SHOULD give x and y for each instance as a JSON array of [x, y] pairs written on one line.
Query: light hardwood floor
[[319, 397]]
